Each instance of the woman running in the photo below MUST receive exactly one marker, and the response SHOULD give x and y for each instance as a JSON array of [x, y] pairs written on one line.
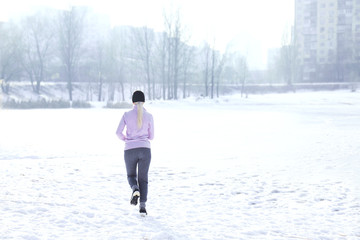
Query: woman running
[[139, 131]]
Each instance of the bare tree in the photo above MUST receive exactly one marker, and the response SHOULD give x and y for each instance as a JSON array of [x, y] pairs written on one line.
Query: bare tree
[[241, 70], [214, 62], [100, 53], [163, 54], [71, 28], [286, 63], [187, 60], [10, 55], [217, 64], [287, 58], [213, 58], [168, 20], [176, 42], [144, 38], [219, 70], [356, 64], [115, 63], [91, 64], [175, 31], [37, 39], [206, 55]]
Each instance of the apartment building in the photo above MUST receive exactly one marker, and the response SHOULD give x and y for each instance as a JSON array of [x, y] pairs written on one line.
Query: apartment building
[[327, 39]]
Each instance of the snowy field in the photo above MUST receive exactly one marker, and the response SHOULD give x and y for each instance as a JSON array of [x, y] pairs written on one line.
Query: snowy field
[[267, 167]]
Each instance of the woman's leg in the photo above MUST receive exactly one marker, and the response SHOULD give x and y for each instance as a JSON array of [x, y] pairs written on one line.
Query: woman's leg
[[143, 165], [131, 160]]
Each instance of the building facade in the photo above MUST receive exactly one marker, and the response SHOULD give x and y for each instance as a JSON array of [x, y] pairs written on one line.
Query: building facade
[[327, 40]]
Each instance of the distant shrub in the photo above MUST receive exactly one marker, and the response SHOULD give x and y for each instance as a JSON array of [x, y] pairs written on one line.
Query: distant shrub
[[59, 104], [12, 104], [81, 104], [118, 105]]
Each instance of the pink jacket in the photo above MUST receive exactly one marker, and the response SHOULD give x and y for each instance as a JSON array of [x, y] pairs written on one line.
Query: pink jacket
[[136, 138]]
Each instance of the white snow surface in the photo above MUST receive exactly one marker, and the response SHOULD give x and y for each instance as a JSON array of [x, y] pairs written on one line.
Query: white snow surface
[[275, 166]]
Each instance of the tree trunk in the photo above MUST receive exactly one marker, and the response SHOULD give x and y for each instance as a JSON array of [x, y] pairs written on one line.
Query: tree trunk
[[169, 69], [122, 90], [147, 48], [70, 88], [184, 84], [100, 87], [148, 81], [38, 87], [212, 73], [176, 53], [206, 71], [111, 91], [163, 67]]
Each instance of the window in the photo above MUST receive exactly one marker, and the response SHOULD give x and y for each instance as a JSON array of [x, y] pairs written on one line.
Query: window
[[341, 19]]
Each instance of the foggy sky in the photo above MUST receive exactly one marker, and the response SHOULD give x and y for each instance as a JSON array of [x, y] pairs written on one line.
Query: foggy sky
[[248, 26]]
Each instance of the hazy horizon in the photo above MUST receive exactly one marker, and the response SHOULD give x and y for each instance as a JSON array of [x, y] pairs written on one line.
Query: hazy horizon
[[251, 28]]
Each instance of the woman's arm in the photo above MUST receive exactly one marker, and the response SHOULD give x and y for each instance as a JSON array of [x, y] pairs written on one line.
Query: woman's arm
[[120, 129], [151, 128]]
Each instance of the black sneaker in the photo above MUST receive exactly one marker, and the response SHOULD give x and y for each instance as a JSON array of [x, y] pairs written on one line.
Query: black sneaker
[[134, 197], [143, 212]]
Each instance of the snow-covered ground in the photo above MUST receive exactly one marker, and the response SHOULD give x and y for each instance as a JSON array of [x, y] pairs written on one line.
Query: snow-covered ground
[[271, 166]]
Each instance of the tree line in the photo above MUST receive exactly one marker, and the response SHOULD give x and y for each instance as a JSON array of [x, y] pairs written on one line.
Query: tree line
[[77, 45]]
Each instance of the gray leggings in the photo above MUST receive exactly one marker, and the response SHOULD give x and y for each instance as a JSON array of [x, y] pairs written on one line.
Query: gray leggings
[[138, 157]]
